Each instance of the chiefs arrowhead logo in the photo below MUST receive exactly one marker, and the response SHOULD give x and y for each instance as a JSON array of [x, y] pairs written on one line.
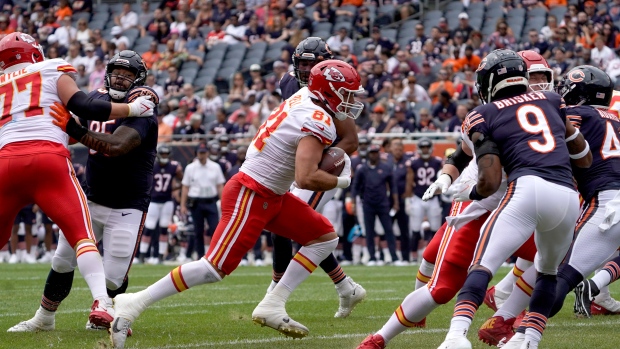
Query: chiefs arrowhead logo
[[333, 74], [27, 38]]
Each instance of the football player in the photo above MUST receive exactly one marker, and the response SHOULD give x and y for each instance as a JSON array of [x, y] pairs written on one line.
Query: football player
[[308, 53], [36, 167], [536, 149], [287, 148], [161, 207], [119, 176]]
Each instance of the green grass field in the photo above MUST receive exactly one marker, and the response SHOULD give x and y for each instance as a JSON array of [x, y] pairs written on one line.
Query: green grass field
[[220, 315]]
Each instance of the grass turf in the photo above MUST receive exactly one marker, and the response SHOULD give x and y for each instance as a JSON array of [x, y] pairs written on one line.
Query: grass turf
[[219, 316]]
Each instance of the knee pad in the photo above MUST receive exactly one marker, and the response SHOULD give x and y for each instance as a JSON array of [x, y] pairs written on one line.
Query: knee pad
[[63, 264], [122, 244]]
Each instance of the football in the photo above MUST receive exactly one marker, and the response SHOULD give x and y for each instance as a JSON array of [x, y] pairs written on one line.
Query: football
[[332, 161]]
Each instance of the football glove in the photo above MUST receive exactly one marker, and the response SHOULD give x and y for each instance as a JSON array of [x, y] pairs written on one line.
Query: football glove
[[141, 107], [66, 122], [442, 183], [460, 191]]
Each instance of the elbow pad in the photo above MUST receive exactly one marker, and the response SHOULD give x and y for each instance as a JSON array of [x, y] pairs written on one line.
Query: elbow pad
[[89, 108], [484, 146], [459, 159]]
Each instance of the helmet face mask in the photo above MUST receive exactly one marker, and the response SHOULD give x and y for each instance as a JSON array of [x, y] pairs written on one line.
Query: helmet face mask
[[163, 153], [500, 69], [537, 64], [425, 148], [308, 53], [131, 62]]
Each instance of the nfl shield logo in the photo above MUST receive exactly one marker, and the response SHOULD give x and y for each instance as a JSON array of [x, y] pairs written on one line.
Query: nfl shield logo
[[264, 205]]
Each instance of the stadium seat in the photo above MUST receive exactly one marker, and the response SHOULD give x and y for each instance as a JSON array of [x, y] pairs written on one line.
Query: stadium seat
[[277, 45], [103, 7], [434, 14], [516, 13], [322, 26], [537, 12], [161, 47], [349, 8], [190, 65], [475, 6], [213, 63], [141, 48], [248, 61], [455, 6], [420, 105], [494, 14], [208, 70], [116, 8], [202, 81], [225, 73], [97, 24], [360, 45], [80, 15], [475, 14], [340, 25], [476, 22], [205, 30], [132, 34], [322, 34], [389, 33], [403, 42], [146, 40], [221, 47], [189, 74], [236, 50], [495, 5], [231, 63], [110, 23], [273, 54], [488, 28], [101, 15], [558, 12], [232, 107]]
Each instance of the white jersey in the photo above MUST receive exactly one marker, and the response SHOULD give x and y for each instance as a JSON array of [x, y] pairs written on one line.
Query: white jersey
[[27, 95], [270, 159]]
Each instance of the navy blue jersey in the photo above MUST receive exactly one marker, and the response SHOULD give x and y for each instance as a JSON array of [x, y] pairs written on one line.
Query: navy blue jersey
[[600, 128], [123, 181], [371, 183], [162, 181], [400, 172], [356, 161], [289, 85], [424, 173], [529, 130]]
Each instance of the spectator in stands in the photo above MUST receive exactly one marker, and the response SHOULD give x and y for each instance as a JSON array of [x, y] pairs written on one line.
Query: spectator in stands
[[614, 10], [379, 84], [179, 24], [468, 60], [345, 55], [169, 108], [244, 13], [152, 28], [548, 31], [276, 32], [190, 99], [173, 56], [215, 36], [481, 49], [90, 58], [610, 35], [194, 42], [163, 32], [601, 54], [46, 29], [254, 32], [587, 35], [442, 84], [432, 52], [164, 131], [241, 125], [376, 123], [427, 123], [324, 13], [145, 16], [173, 84], [65, 34], [101, 46], [127, 19], [398, 60], [235, 32], [279, 69], [152, 83], [74, 57], [83, 33], [561, 41], [221, 13], [204, 15], [238, 89], [64, 10], [426, 76], [536, 42], [152, 57], [589, 7], [97, 77], [417, 93], [193, 131], [398, 123], [118, 37], [414, 48], [501, 38], [382, 43], [560, 64], [246, 107], [465, 88], [399, 89], [455, 122], [81, 79], [220, 126], [52, 52], [338, 39], [464, 28], [16, 19], [82, 6], [445, 108]]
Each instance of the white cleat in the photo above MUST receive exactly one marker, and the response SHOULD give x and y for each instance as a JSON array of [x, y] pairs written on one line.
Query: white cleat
[[29, 259], [608, 303], [46, 258], [13, 259], [456, 342], [119, 331], [351, 294], [515, 342], [271, 313], [500, 298], [259, 263], [401, 263], [127, 309], [38, 323], [272, 285]]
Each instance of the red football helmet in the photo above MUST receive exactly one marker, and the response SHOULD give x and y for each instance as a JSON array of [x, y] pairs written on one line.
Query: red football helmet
[[537, 64], [17, 48], [335, 83]]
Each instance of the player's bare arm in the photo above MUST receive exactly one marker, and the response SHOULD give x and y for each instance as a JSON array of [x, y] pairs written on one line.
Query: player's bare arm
[[121, 142], [345, 129], [489, 167], [578, 147], [409, 183], [83, 106], [307, 173]]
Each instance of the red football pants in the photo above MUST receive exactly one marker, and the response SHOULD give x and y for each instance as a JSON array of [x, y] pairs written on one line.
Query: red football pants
[[246, 212], [452, 251], [48, 180]]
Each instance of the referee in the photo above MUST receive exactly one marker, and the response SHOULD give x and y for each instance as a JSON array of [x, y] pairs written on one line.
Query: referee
[[202, 187]]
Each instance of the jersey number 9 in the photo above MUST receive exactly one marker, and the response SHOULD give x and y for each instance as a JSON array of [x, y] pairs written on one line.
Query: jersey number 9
[[541, 126]]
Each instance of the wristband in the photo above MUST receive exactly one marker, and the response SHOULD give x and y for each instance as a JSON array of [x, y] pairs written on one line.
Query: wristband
[[573, 136], [75, 130], [343, 182], [585, 152], [473, 194]]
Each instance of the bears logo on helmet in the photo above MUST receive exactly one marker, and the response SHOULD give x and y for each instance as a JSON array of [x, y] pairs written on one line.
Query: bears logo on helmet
[[576, 75]]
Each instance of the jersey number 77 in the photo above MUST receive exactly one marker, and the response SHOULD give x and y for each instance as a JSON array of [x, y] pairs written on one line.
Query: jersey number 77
[[30, 83]]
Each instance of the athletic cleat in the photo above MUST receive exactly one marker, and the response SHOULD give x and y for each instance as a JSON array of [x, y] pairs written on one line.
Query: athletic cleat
[[584, 295], [373, 341], [349, 298], [494, 299], [605, 305], [514, 342], [456, 342], [101, 314], [518, 320], [92, 327], [496, 330], [38, 323], [13, 259], [46, 258], [271, 313], [119, 331]]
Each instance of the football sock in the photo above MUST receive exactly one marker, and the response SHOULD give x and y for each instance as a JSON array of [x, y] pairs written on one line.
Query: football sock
[[91, 267], [145, 242], [415, 307], [182, 278], [356, 250], [332, 268], [57, 288], [120, 290], [540, 307], [568, 278], [520, 296], [608, 274], [282, 253], [306, 260], [163, 247], [425, 271], [507, 283], [468, 301]]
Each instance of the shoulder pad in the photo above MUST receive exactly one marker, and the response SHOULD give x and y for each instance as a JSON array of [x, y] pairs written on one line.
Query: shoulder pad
[[142, 91]]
